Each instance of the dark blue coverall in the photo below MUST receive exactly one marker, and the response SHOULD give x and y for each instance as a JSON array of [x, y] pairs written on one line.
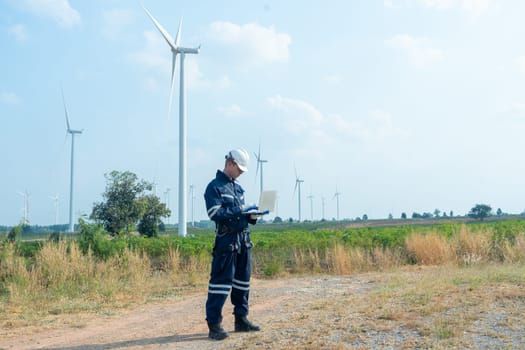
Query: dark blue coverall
[[231, 263]]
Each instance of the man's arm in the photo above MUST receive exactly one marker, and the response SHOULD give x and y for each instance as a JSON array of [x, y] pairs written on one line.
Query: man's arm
[[217, 210]]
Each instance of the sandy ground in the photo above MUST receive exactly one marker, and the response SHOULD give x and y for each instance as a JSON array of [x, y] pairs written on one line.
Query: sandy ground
[[319, 312], [173, 324]]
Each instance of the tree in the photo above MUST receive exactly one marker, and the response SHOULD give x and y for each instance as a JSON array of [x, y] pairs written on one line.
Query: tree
[[122, 207], [153, 210], [365, 217], [277, 220], [437, 212], [403, 215], [499, 212], [390, 217], [480, 211], [15, 233]]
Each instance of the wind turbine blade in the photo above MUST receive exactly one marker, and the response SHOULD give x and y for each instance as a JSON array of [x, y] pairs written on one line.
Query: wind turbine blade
[[179, 33], [161, 29], [258, 163], [65, 111], [173, 61]]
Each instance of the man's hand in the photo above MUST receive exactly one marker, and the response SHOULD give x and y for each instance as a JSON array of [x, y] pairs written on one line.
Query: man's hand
[[250, 209]]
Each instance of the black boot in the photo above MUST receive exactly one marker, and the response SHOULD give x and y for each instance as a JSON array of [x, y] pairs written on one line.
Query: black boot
[[217, 332], [243, 325]]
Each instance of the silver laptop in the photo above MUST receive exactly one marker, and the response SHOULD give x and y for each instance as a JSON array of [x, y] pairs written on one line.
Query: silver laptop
[[267, 200]]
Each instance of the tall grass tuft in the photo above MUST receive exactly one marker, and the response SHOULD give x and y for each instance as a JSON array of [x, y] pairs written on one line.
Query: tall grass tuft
[[471, 247], [306, 260], [515, 253], [428, 249], [339, 260]]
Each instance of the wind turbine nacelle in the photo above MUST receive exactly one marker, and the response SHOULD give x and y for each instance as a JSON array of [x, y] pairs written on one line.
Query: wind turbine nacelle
[[188, 50]]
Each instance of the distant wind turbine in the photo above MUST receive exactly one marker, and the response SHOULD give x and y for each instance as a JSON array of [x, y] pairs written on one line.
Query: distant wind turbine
[[297, 187], [177, 49], [192, 196], [336, 196], [25, 218], [55, 199], [167, 200], [311, 198], [260, 163], [73, 133], [322, 203]]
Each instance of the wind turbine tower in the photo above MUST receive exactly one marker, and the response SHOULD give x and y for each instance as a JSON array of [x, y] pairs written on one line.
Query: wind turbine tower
[[167, 200], [55, 199], [71, 178], [322, 203], [311, 198], [298, 182], [192, 196], [177, 49], [260, 163], [336, 196], [25, 218]]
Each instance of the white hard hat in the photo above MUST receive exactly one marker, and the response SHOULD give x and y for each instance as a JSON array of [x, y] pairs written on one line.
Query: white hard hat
[[240, 157]]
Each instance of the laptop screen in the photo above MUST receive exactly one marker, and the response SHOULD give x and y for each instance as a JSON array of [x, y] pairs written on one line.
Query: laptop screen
[[267, 200]]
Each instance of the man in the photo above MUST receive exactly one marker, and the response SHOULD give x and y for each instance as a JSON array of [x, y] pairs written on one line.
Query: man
[[231, 263]]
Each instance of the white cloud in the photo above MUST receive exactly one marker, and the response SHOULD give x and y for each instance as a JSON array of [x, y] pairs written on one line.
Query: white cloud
[[255, 43], [116, 20], [58, 10], [473, 7], [231, 111], [19, 32], [156, 54], [300, 115], [418, 50], [9, 98], [303, 119], [197, 81]]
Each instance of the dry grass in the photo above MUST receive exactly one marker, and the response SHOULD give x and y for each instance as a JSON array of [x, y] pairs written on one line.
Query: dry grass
[[62, 280], [437, 307], [429, 249]]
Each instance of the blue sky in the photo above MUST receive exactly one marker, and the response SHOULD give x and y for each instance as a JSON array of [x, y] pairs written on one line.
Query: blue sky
[[402, 105]]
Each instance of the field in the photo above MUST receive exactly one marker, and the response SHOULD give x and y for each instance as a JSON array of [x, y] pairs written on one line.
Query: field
[[438, 286]]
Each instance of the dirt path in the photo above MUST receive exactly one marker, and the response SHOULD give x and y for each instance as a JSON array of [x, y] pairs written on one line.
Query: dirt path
[[176, 324], [320, 312]]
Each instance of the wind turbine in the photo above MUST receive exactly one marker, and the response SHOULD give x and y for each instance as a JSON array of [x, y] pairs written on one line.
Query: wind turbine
[[260, 162], [25, 194], [192, 196], [298, 182], [73, 133], [322, 203], [311, 197], [177, 49], [336, 196], [167, 199], [55, 199]]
